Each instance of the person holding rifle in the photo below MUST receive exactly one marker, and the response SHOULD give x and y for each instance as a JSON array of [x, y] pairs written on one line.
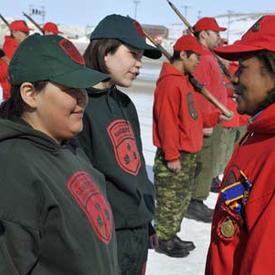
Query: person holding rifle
[[177, 133], [19, 31], [242, 235], [209, 74], [111, 135]]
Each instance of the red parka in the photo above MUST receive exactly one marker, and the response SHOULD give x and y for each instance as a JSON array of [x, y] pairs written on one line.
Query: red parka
[[242, 237], [9, 47], [177, 121], [209, 73]]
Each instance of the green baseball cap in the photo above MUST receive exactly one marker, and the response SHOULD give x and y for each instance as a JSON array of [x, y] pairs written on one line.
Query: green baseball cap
[[126, 30], [53, 58]]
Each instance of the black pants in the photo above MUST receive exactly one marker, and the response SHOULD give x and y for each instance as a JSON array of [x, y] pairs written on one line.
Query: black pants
[[132, 246]]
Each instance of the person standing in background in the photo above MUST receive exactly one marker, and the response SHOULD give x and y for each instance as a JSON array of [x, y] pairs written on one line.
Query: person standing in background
[[177, 134], [209, 74], [51, 28], [19, 31]]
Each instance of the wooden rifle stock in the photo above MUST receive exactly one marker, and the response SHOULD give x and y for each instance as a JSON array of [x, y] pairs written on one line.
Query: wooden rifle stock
[[201, 89], [197, 86]]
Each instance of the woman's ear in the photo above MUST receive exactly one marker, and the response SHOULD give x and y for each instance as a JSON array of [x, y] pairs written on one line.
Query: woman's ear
[[29, 94]]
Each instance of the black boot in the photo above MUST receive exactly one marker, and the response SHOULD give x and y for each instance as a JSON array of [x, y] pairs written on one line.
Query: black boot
[[198, 211], [184, 244], [215, 185], [171, 249]]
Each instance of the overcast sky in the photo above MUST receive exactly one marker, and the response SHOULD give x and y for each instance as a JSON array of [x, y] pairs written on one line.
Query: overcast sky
[[90, 12]]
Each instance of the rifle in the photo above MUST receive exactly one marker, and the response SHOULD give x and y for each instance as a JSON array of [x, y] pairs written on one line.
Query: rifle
[[5, 21], [197, 86], [190, 28], [36, 24]]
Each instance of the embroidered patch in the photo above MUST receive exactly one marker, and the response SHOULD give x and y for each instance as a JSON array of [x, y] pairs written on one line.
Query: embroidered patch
[[88, 196], [231, 176], [138, 28], [191, 108], [71, 51], [125, 147]]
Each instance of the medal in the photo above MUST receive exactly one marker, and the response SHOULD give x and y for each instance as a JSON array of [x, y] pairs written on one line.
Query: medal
[[228, 228]]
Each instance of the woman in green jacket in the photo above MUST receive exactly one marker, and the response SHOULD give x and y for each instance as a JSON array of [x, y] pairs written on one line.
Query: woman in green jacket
[[54, 216]]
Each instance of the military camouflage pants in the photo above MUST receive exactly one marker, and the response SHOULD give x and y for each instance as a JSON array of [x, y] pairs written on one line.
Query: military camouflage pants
[[173, 194]]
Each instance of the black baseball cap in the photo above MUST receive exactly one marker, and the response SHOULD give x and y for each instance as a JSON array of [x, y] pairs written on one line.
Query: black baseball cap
[[53, 58], [126, 30]]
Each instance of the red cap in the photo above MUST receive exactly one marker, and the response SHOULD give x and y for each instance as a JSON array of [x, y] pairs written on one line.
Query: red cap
[[207, 23], [261, 36], [188, 43], [19, 25], [51, 27]]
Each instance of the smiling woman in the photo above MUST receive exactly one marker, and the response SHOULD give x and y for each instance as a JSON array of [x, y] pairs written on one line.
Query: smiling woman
[[242, 235], [54, 217]]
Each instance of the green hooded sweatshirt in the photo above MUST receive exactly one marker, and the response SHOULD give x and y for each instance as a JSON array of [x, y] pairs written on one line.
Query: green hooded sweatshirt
[[54, 217], [111, 139]]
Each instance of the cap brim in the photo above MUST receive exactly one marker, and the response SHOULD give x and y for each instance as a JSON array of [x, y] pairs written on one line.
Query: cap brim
[[81, 79], [149, 51], [235, 51]]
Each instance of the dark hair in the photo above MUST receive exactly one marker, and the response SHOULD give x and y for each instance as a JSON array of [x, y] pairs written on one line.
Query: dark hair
[[97, 50], [15, 105], [267, 59], [176, 55]]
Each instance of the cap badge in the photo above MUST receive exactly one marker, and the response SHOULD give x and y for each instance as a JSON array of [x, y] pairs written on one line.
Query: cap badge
[[139, 29], [71, 51]]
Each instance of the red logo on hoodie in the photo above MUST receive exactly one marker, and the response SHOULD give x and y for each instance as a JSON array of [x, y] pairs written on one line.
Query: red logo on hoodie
[[88, 196], [125, 147]]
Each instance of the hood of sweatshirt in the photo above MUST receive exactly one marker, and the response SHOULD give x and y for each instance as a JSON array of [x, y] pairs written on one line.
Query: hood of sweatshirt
[[168, 70], [19, 129]]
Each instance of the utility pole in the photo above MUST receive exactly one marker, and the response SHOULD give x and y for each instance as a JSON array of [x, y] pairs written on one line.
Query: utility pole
[[199, 14], [229, 13], [136, 2], [40, 11], [186, 7]]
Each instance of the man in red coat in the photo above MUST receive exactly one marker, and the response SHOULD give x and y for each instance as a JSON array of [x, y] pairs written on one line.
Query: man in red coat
[[242, 235], [19, 31], [177, 133], [209, 73]]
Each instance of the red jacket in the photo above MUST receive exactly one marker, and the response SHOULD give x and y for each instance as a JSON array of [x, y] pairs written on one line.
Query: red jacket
[[208, 72], [243, 244], [9, 47], [177, 122]]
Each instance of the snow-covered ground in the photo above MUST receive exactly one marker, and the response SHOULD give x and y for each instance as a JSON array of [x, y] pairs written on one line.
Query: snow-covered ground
[[198, 232]]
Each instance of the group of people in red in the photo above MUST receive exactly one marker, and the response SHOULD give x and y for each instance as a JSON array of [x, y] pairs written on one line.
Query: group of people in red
[[19, 30], [194, 139]]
